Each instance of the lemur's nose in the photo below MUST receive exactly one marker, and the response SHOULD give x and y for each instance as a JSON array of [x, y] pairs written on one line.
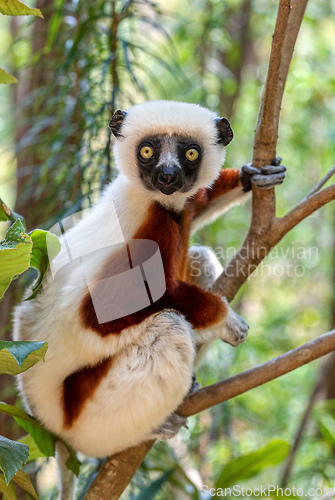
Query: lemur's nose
[[168, 177]]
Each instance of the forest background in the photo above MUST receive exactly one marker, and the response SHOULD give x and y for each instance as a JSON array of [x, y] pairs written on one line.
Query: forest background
[[86, 59]]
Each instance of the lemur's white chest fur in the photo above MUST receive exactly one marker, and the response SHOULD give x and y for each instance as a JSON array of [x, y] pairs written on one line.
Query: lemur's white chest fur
[[104, 387]]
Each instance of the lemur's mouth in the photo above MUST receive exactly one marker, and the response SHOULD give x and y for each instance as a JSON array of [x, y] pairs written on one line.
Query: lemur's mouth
[[167, 189]]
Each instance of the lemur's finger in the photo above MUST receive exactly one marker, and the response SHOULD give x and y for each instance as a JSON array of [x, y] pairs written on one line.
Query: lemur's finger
[[249, 169], [270, 169], [276, 161], [269, 186], [267, 180]]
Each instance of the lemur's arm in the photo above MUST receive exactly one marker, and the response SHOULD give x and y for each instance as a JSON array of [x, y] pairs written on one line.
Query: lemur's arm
[[210, 203], [231, 188]]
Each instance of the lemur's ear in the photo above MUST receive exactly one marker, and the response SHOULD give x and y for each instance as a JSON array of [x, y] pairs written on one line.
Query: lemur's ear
[[116, 122], [225, 132]]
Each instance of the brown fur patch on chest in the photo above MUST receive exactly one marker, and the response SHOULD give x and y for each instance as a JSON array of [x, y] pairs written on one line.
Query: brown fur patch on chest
[[171, 232]]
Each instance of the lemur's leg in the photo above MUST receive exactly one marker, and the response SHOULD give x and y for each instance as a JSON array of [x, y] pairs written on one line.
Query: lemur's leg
[[173, 423], [203, 270], [203, 267], [145, 383], [169, 428]]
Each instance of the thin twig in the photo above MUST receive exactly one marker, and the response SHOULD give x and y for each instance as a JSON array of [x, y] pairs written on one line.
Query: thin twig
[[301, 429], [303, 210], [115, 21], [321, 183]]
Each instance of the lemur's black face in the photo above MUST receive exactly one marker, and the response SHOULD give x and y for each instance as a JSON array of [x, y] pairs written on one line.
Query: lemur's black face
[[172, 163], [169, 163]]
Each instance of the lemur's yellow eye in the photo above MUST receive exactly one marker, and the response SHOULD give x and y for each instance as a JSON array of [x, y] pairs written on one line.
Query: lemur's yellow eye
[[146, 152], [192, 154]]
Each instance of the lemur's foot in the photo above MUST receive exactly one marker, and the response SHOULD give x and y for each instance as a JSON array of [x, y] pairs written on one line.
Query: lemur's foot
[[169, 428], [235, 329], [195, 386], [267, 177]]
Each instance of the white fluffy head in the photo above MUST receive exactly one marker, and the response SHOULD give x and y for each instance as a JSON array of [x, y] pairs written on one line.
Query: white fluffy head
[[170, 118]]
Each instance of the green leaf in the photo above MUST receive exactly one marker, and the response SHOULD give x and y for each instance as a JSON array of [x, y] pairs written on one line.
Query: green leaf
[[17, 8], [16, 356], [14, 411], [150, 492], [251, 464], [22, 479], [42, 246], [39, 436], [45, 245], [15, 252], [73, 463], [34, 451], [44, 439], [8, 490], [12, 456], [6, 77]]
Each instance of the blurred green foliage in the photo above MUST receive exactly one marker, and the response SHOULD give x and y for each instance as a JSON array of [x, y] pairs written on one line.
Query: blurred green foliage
[[213, 52]]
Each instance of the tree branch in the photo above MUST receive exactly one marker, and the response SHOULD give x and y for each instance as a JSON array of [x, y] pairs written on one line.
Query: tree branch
[[116, 473], [268, 119], [257, 243], [230, 388], [257, 246]]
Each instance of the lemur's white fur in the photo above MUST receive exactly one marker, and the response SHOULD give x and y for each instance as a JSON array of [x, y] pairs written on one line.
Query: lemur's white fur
[[154, 361]]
